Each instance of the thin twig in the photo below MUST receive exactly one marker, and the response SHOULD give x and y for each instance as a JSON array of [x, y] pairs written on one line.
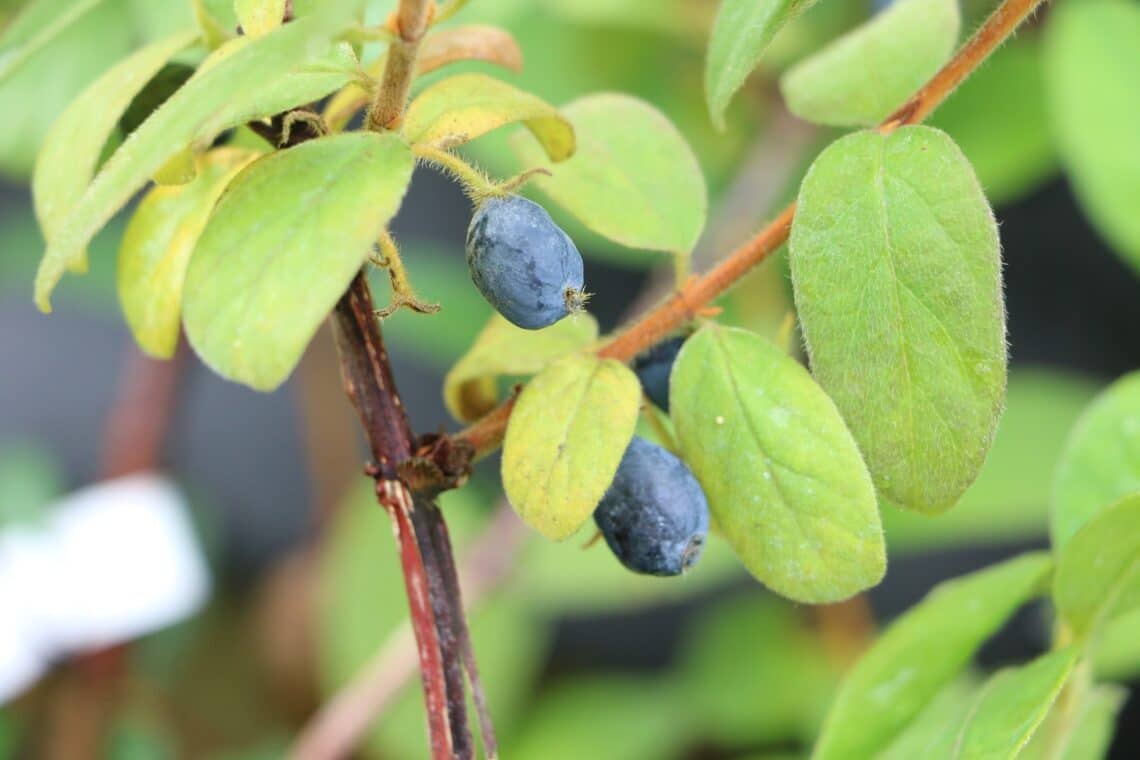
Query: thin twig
[[683, 306]]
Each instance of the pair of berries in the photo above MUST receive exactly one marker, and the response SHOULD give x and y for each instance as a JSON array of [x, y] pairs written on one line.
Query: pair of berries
[[654, 516]]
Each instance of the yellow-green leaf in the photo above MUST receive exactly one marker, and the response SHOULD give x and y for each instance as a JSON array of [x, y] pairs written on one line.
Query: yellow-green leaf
[[38, 23], [860, 78], [566, 437], [470, 388], [921, 652], [71, 150], [897, 276], [784, 479], [258, 17], [157, 245], [463, 107], [206, 104], [282, 246], [633, 179]]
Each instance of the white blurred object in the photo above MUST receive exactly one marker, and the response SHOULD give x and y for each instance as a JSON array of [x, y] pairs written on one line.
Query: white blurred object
[[114, 561]]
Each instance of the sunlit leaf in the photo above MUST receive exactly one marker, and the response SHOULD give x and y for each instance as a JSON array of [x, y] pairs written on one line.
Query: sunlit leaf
[[897, 275], [860, 78], [567, 434], [157, 245], [784, 479], [633, 178], [897, 677], [282, 246]]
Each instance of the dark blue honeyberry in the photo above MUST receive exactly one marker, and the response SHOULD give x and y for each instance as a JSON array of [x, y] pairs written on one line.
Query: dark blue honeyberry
[[653, 368], [523, 263], [654, 516]]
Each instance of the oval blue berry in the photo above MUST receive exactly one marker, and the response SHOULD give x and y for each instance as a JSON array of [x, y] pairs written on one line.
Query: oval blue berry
[[654, 516], [523, 263], [653, 368]]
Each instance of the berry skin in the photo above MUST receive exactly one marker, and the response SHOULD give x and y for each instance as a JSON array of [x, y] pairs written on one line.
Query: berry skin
[[523, 263], [653, 367], [654, 516]]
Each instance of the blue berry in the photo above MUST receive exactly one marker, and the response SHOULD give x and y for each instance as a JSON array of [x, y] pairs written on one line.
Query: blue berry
[[653, 367], [523, 263], [654, 516]]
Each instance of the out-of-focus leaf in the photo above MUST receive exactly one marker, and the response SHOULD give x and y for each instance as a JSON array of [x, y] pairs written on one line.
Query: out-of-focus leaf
[[1101, 460], [933, 732], [1116, 654], [29, 482], [1092, 73], [470, 389], [784, 478], [37, 25], [897, 677], [475, 42], [1089, 735], [897, 273], [567, 434], [632, 179], [1010, 499], [999, 119], [282, 246], [860, 78]]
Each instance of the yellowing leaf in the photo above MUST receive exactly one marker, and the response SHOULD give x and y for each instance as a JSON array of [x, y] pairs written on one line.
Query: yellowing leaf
[[567, 434], [282, 246], [157, 245], [503, 349], [633, 178], [463, 107], [258, 17], [897, 276], [784, 479], [860, 78], [72, 148]]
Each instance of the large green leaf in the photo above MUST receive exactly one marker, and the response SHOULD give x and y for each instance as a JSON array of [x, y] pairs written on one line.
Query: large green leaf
[[999, 118], [898, 676], [208, 103], [465, 106], [784, 479], [156, 249], [1101, 461], [860, 78], [282, 246], [470, 389], [1116, 656], [1010, 499], [1092, 73], [567, 434], [740, 34], [38, 23], [633, 178], [1011, 706], [934, 730], [1086, 734], [897, 276], [1098, 571], [71, 150]]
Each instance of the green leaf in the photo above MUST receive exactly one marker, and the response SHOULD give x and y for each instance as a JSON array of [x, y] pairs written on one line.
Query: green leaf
[[156, 249], [1011, 706], [1116, 656], [784, 479], [1101, 461], [1010, 499], [470, 388], [862, 77], [1089, 735], [1092, 74], [29, 482], [897, 276], [204, 106], [897, 677], [999, 118], [37, 25], [71, 150], [934, 730], [740, 34], [284, 242], [567, 434], [633, 178], [1098, 571], [465, 106], [259, 17]]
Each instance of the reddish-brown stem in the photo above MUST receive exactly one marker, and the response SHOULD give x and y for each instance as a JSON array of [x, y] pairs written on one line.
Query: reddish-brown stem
[[682, 307]]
